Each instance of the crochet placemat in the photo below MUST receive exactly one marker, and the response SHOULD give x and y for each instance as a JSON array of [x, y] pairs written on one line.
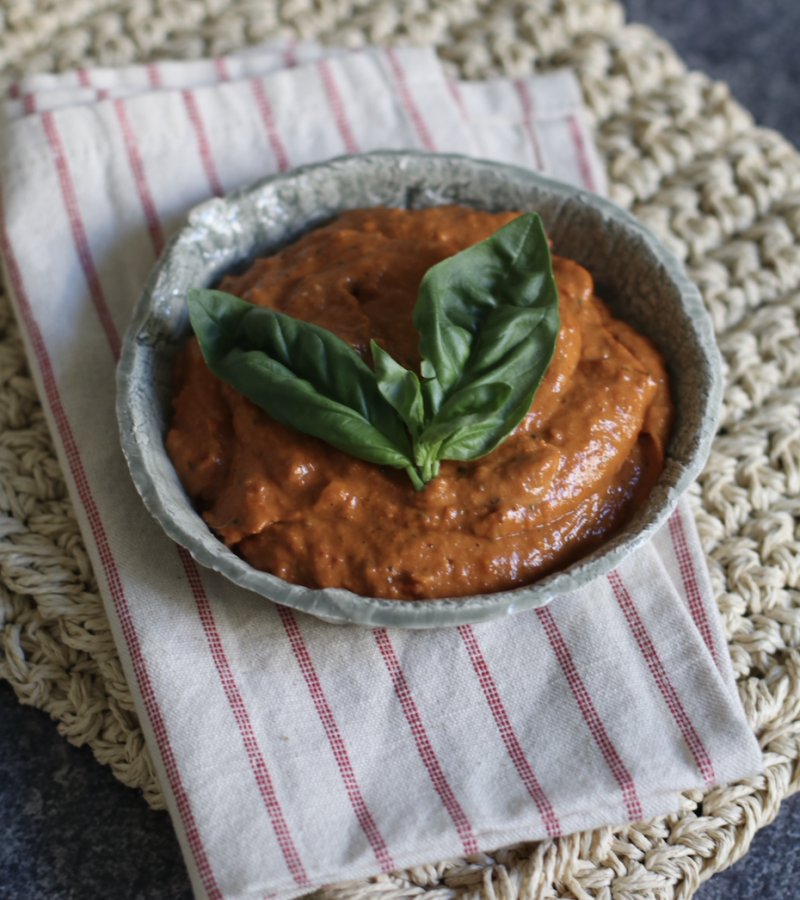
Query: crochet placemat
[[685, 159]]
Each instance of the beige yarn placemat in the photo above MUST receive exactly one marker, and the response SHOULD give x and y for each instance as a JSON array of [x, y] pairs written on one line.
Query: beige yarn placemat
[[684, 158]]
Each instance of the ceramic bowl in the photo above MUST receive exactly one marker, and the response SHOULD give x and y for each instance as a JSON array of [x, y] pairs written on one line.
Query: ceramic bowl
[[641, 280]]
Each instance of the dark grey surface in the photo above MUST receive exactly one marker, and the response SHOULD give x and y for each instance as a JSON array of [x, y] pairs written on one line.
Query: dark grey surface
[[771, 868], [68, 829]]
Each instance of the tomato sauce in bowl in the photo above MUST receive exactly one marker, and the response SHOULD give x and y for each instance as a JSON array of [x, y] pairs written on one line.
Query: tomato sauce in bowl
[[572, 473]]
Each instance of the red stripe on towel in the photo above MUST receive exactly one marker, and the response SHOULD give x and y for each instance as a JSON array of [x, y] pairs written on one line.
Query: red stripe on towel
[[29, 104], [83, 78], [528, 115], [203, 146], [455, 92], [690, 586], [79, 233], [580, 151], [140, 179], [510, 739], [254, 755], [423, 743], [662, 679], [13, 91], [153, 75], [411, 108], [221, 68], [364, 816], [336, 106], [265, 110], [590, 714], [290, 54], [109, 564]]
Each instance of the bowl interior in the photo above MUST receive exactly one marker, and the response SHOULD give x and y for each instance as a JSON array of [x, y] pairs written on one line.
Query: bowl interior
[[640, 280]]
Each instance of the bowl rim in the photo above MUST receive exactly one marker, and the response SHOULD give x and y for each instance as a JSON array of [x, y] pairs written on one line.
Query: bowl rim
[[338, 605]]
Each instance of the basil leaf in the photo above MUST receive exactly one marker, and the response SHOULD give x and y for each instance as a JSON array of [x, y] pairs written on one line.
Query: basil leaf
[[465, 413], [486, 315], [303, 375], [470, 407], [488, 322], [400, 387]]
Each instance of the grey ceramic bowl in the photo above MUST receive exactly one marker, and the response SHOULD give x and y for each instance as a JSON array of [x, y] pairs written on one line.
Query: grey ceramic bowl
[[643, 283]]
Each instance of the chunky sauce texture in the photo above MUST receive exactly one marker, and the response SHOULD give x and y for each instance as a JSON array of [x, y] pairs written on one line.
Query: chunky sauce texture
[[572, 472]]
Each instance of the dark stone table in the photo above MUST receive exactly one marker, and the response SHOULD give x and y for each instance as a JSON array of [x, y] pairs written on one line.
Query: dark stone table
[[68, 829]]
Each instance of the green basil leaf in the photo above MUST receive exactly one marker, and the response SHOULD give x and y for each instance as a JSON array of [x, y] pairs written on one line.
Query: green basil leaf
[[400, 387], [303, 375], [488, 322], [468, 408], [488, 314], [466, 413]]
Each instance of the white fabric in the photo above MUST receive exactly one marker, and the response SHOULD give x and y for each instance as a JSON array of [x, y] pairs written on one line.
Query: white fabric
[[295, 753]]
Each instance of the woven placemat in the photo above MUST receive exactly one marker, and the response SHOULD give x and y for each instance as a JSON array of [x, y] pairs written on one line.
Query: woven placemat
[[685, 159]]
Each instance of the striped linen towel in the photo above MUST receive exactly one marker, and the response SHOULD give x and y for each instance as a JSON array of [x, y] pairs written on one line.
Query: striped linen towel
[[295, 753]]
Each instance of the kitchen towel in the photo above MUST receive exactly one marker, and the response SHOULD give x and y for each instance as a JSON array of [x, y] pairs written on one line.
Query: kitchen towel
[[295, 753]]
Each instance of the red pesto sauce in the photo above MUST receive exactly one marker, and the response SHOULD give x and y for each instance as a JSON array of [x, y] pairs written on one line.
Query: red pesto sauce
[[571, 473]]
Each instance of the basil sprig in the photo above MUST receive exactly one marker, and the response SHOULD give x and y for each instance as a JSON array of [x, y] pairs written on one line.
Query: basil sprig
[[488, 322]]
